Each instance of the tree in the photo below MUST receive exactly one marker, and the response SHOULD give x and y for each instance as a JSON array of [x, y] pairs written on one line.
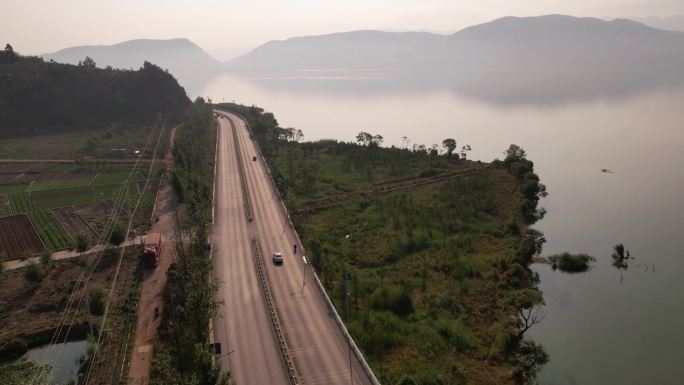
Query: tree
[[364, 138], [535, 357], [87, 62], [531, 245], [118, 235], [82, 243], [529, 303], [377, 140], [96, 300], [449, 145], [315, 248], [464, 151], [34, 272], [514, 153], [298, 135], [9, 51]]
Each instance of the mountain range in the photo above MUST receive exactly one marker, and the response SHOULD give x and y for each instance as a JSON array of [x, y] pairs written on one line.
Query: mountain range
[[512, 43], [555, 52]]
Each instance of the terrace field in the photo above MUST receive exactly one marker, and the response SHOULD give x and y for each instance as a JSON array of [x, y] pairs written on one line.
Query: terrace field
[[63, 200]]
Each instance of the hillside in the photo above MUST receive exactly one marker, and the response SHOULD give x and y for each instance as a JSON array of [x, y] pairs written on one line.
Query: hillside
[[670, 23], [38, 97], [512, 43], [179, 56]]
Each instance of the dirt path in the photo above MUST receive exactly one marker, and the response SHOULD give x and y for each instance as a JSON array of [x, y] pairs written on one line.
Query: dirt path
[[154, 280], [35, 160]]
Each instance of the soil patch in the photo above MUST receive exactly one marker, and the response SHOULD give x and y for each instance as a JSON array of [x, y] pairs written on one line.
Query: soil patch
[[17, 236], [73, 223]]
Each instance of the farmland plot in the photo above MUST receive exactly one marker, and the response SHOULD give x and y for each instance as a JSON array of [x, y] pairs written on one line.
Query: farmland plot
[[73, 223], [50, 231], [5, 207], [17, 236]]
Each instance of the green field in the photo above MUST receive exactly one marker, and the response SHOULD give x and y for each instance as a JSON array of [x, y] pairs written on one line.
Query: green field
[[37, 199], [50, 231], [48, 199]]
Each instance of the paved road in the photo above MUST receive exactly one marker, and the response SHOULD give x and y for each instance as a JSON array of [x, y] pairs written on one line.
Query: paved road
[[319, 349]]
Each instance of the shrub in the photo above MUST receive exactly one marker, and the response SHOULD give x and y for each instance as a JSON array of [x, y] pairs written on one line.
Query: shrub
[[392, 298], [45, 257], [118, 235], [96, 300], [34, 272], [571, 263]]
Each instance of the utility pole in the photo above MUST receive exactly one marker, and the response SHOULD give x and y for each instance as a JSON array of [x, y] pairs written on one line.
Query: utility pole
[[306, 265]]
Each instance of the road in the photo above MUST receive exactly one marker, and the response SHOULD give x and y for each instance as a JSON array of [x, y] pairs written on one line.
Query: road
[[154, 280], [320, 351]]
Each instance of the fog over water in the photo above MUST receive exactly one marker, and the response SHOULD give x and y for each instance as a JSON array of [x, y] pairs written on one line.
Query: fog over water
[[605, 326]]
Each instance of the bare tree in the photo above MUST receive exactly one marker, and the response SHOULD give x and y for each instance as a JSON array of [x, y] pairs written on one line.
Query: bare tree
[[529, 303]]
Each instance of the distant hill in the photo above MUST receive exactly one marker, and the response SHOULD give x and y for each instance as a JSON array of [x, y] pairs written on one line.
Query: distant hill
[[183, 58], [670, 23], [43, 97], [552, 42]]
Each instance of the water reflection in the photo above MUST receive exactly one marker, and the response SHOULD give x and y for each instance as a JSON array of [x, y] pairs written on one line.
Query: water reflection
[[504, 88]]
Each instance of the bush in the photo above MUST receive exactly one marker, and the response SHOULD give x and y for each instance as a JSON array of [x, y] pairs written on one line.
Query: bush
[[96, 300], [45, 257], [571, 263], [118, 235], [34, 272], [392, 298]]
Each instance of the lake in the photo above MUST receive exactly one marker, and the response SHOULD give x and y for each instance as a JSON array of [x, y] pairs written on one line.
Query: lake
[[606, 326]]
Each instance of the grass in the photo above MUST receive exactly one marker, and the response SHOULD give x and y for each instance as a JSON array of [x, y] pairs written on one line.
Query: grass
[[17, 373], [428, 293], [336, 168], [73, 144]]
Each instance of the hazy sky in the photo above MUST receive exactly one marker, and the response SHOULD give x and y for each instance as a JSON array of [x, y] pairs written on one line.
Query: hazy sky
[[41, 26]]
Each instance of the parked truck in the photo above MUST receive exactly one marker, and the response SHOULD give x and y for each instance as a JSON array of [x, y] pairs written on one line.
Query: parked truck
[[152, 250]]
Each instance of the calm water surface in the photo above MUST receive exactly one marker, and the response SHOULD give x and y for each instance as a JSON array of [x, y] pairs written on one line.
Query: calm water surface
[[602, 327], [64, 357]]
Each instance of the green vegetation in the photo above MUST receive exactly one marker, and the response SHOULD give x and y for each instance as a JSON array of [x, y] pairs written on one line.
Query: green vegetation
[[432, 281], [34, 272], [50, 232], [571, 263], [41, 97], [96, 300], [118, 235], [184, 356], [17, 373]]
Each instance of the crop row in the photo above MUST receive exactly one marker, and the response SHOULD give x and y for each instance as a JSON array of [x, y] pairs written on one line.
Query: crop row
[[50, 231], [20, 203]]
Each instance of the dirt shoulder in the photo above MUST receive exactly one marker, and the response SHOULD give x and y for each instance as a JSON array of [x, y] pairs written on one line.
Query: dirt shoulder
[[154, 280]]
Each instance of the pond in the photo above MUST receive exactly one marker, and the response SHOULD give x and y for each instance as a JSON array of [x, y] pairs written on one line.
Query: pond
[[65, 358]]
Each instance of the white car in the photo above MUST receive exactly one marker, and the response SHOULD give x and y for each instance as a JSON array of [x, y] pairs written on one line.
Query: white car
[[278, 258]]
